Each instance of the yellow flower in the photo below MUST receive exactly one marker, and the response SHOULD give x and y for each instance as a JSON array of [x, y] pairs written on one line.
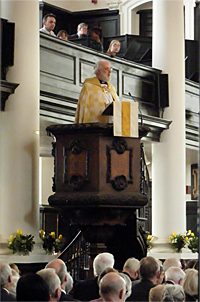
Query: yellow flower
[[60, 237], [11, 238], [192, 234], [10, 242], [170, 237], [174, 234], [41, 232], [53, 234], [19, 232], [186, 239], [189, 232]]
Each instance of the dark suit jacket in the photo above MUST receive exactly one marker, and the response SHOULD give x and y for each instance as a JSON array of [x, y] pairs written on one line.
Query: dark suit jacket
[[140, 291], [75, 36], [66, 297], [86, 290], [5, 296]]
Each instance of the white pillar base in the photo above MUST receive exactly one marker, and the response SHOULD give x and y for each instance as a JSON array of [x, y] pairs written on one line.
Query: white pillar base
[[38, 255], [161, 249]]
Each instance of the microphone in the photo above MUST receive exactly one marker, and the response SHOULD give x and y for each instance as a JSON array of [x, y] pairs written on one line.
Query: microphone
[[141, 117]]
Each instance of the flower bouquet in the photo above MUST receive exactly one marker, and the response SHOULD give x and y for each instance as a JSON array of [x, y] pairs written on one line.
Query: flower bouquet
[[178, 241], [149, 239], [192, 242], [21, 243], [188, 239], [51, 244]]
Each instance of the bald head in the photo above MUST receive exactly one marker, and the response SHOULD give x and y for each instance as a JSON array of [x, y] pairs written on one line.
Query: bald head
[[60, 268], [112, 287], [171, 262]]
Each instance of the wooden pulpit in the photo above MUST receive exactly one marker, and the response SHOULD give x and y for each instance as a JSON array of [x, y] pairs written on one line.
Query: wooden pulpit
[[97, 184]]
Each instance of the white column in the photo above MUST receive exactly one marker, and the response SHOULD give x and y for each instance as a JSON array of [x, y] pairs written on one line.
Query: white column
[[168, 156], [189, 19], [20, 123]]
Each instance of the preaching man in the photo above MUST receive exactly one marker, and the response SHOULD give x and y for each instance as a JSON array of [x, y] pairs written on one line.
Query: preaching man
[[97, 93]]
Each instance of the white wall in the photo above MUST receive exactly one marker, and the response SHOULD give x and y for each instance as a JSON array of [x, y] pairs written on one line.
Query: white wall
[[47, 172], [78, 5], [20, 143]]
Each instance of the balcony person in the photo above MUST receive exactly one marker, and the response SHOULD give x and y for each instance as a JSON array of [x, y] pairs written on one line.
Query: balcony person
[[113, 48], [49, 23], [62, 34], [81, 31]]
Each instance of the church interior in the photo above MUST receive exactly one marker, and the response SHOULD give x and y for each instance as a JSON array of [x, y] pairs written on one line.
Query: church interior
[[41, 79]]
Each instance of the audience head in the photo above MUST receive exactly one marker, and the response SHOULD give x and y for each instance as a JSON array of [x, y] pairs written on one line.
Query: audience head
[[114, 47], [49, 22], [5, 275], [31, 287], [101, 262], [60, 269], [62, 34], [190, 282], [112, 287], [183, 264], [15, 267], [14, 280], [192, 264], [171, 262], [96, 33], [128, 284], [131, 267], [53, 282], [82, 29], [173, 293], [69, 283], [149, 269], [102, 70], [174, 274], [155, 293], [161, 274], [106, 271]]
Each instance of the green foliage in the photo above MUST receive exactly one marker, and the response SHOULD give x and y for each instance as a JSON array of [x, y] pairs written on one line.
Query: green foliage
[[21, 243], [51, 244]]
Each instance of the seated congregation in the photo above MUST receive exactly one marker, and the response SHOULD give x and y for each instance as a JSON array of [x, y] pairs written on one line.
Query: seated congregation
[[146, 280]]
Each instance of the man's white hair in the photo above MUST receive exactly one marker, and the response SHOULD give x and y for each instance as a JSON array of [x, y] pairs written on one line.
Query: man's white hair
[[69, 283], [97, 66], [174, 273], [52, 280], [132, 265], [101, 262], [5, 272], [13, 285]]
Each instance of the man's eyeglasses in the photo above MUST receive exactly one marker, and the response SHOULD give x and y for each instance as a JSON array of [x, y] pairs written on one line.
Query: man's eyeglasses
[[108, 69]]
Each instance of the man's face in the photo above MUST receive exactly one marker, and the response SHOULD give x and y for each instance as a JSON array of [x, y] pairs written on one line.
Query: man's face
[[104, 72], [83, 30], [50, 23]]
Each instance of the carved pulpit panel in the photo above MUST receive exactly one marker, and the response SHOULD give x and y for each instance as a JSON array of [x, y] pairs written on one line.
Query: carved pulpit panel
[[76, 159]]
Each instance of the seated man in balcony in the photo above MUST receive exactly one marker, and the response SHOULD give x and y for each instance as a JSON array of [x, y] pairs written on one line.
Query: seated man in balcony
[[49, 23], [97, 93], [81, 32]]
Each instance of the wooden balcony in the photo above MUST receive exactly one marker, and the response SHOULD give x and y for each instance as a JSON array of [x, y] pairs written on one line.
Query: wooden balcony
[[65, 65]]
